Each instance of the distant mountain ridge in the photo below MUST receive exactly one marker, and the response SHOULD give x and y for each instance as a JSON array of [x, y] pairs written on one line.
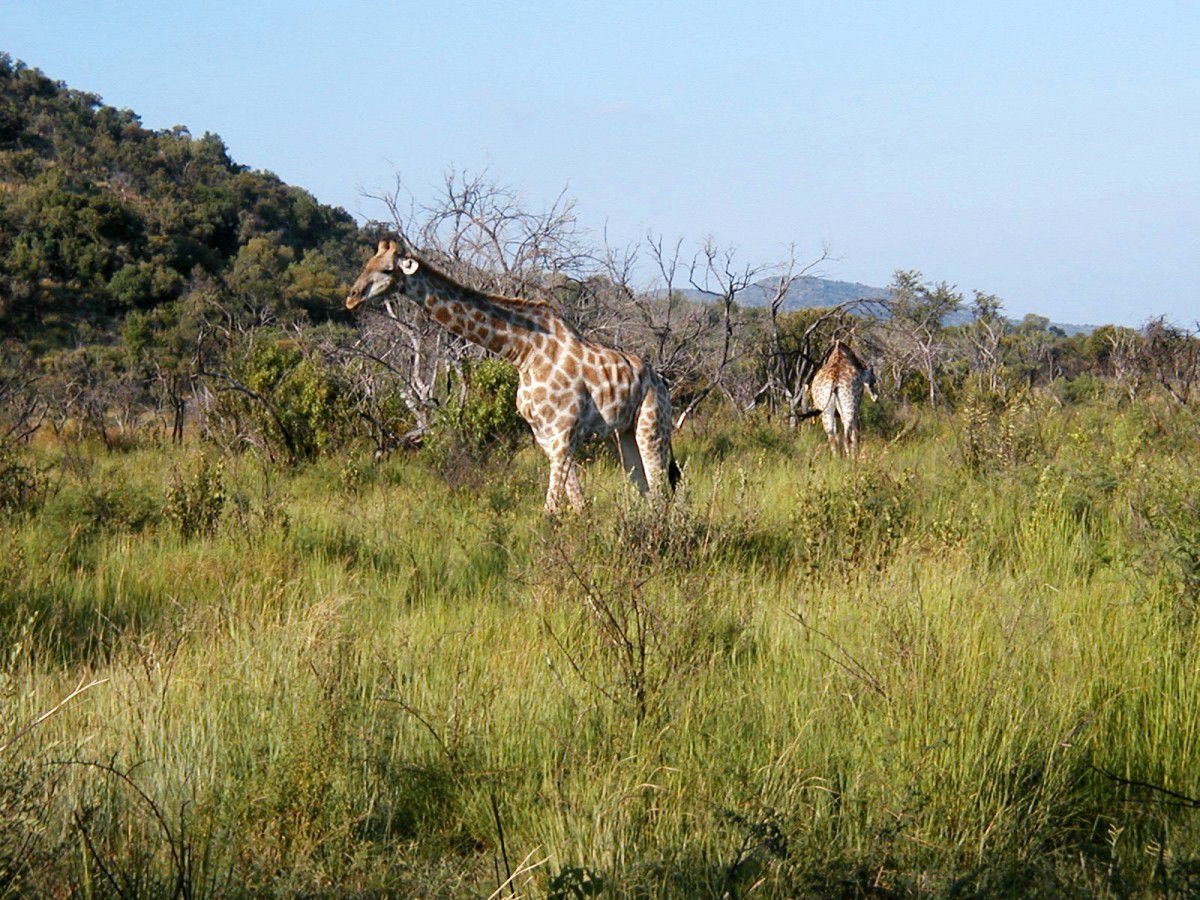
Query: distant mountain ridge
[[809, 291]]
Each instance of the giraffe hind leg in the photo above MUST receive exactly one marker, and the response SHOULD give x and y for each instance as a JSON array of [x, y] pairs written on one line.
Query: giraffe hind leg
[[852, 437], [653, 435], [830, 423], [631, 460], [848, 411]]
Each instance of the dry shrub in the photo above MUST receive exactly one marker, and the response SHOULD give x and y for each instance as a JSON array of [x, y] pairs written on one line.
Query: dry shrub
[[996, 430]]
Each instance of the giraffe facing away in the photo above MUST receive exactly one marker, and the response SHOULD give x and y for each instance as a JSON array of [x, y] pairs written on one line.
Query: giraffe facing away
[[570, 390], [837, 389]]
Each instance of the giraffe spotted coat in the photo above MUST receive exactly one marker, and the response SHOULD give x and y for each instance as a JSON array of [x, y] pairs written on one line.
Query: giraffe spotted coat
[[837, 389], [570, 390]]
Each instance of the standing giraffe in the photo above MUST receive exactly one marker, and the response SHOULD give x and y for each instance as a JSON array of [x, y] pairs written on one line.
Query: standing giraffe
[[837, 393], [570, 390]]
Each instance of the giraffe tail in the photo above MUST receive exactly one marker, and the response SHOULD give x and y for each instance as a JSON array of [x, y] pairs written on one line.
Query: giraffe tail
[[673, 473], [808, 414]]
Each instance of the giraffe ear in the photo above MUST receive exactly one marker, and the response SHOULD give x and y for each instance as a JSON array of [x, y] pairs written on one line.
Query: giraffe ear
[[383, 245], [408, 265]]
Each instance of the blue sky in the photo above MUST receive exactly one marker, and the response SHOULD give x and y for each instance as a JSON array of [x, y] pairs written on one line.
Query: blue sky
[[1048, 153]]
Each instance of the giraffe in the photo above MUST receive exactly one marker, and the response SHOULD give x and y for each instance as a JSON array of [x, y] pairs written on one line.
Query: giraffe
[[570, 390], [837, 393]]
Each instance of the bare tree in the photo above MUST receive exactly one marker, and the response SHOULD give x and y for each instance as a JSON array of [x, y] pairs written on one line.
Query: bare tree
[[397, 356], [796, 350], [23, 407], [797, 342], [1171, 357], [1124, 358], [983, 338], [717, 273], [483, 235], [918, 312], [658, 322], [82, 385], [486, 237]]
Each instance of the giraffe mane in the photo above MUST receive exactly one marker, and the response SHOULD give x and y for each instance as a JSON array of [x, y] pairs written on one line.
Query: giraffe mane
[[442, 275]]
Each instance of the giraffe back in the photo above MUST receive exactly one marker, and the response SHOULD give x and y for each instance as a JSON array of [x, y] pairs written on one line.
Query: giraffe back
[[841, 373]]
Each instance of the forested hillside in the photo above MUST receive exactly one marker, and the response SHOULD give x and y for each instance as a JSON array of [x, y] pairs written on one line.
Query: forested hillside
[[100, 216]]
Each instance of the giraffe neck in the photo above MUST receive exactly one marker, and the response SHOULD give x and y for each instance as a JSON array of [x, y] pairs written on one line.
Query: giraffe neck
[[507, 327], [849, 355]]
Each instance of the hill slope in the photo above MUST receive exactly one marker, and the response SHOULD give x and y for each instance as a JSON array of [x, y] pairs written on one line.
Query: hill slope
[[100, 216]]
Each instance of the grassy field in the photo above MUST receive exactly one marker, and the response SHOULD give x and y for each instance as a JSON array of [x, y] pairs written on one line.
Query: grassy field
[[965, 666]]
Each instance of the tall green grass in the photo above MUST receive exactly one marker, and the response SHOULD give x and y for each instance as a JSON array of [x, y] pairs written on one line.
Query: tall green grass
[[962, 666]]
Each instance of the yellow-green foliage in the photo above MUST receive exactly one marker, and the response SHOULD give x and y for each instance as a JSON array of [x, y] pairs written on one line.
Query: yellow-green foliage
[[487, 415], [195, 500], [288, 404], [913, 675]]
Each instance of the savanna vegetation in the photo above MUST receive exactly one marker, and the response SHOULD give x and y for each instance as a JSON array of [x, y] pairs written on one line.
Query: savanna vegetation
[[965, 666], [280, 614]]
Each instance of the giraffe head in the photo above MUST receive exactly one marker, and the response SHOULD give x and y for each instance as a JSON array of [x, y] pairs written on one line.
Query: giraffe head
[[868, 378], [383, 273]]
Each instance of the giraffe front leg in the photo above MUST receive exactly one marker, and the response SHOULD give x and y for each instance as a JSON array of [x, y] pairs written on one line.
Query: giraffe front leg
[[574, 489], [564, 478], [558, 475], [554, 446], [852, 435]]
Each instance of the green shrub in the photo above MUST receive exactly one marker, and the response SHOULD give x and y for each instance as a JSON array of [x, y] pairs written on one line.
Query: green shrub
[[849, 524], [488, 417], [1171, 512], [484, 424], [194, 501], [102, 505], [997, 430], [289, 403], [913, 388], [1080, 389], [22, 487]]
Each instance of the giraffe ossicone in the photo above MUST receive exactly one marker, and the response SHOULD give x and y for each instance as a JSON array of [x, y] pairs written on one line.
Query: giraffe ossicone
[[837, 389], [570, 390]]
